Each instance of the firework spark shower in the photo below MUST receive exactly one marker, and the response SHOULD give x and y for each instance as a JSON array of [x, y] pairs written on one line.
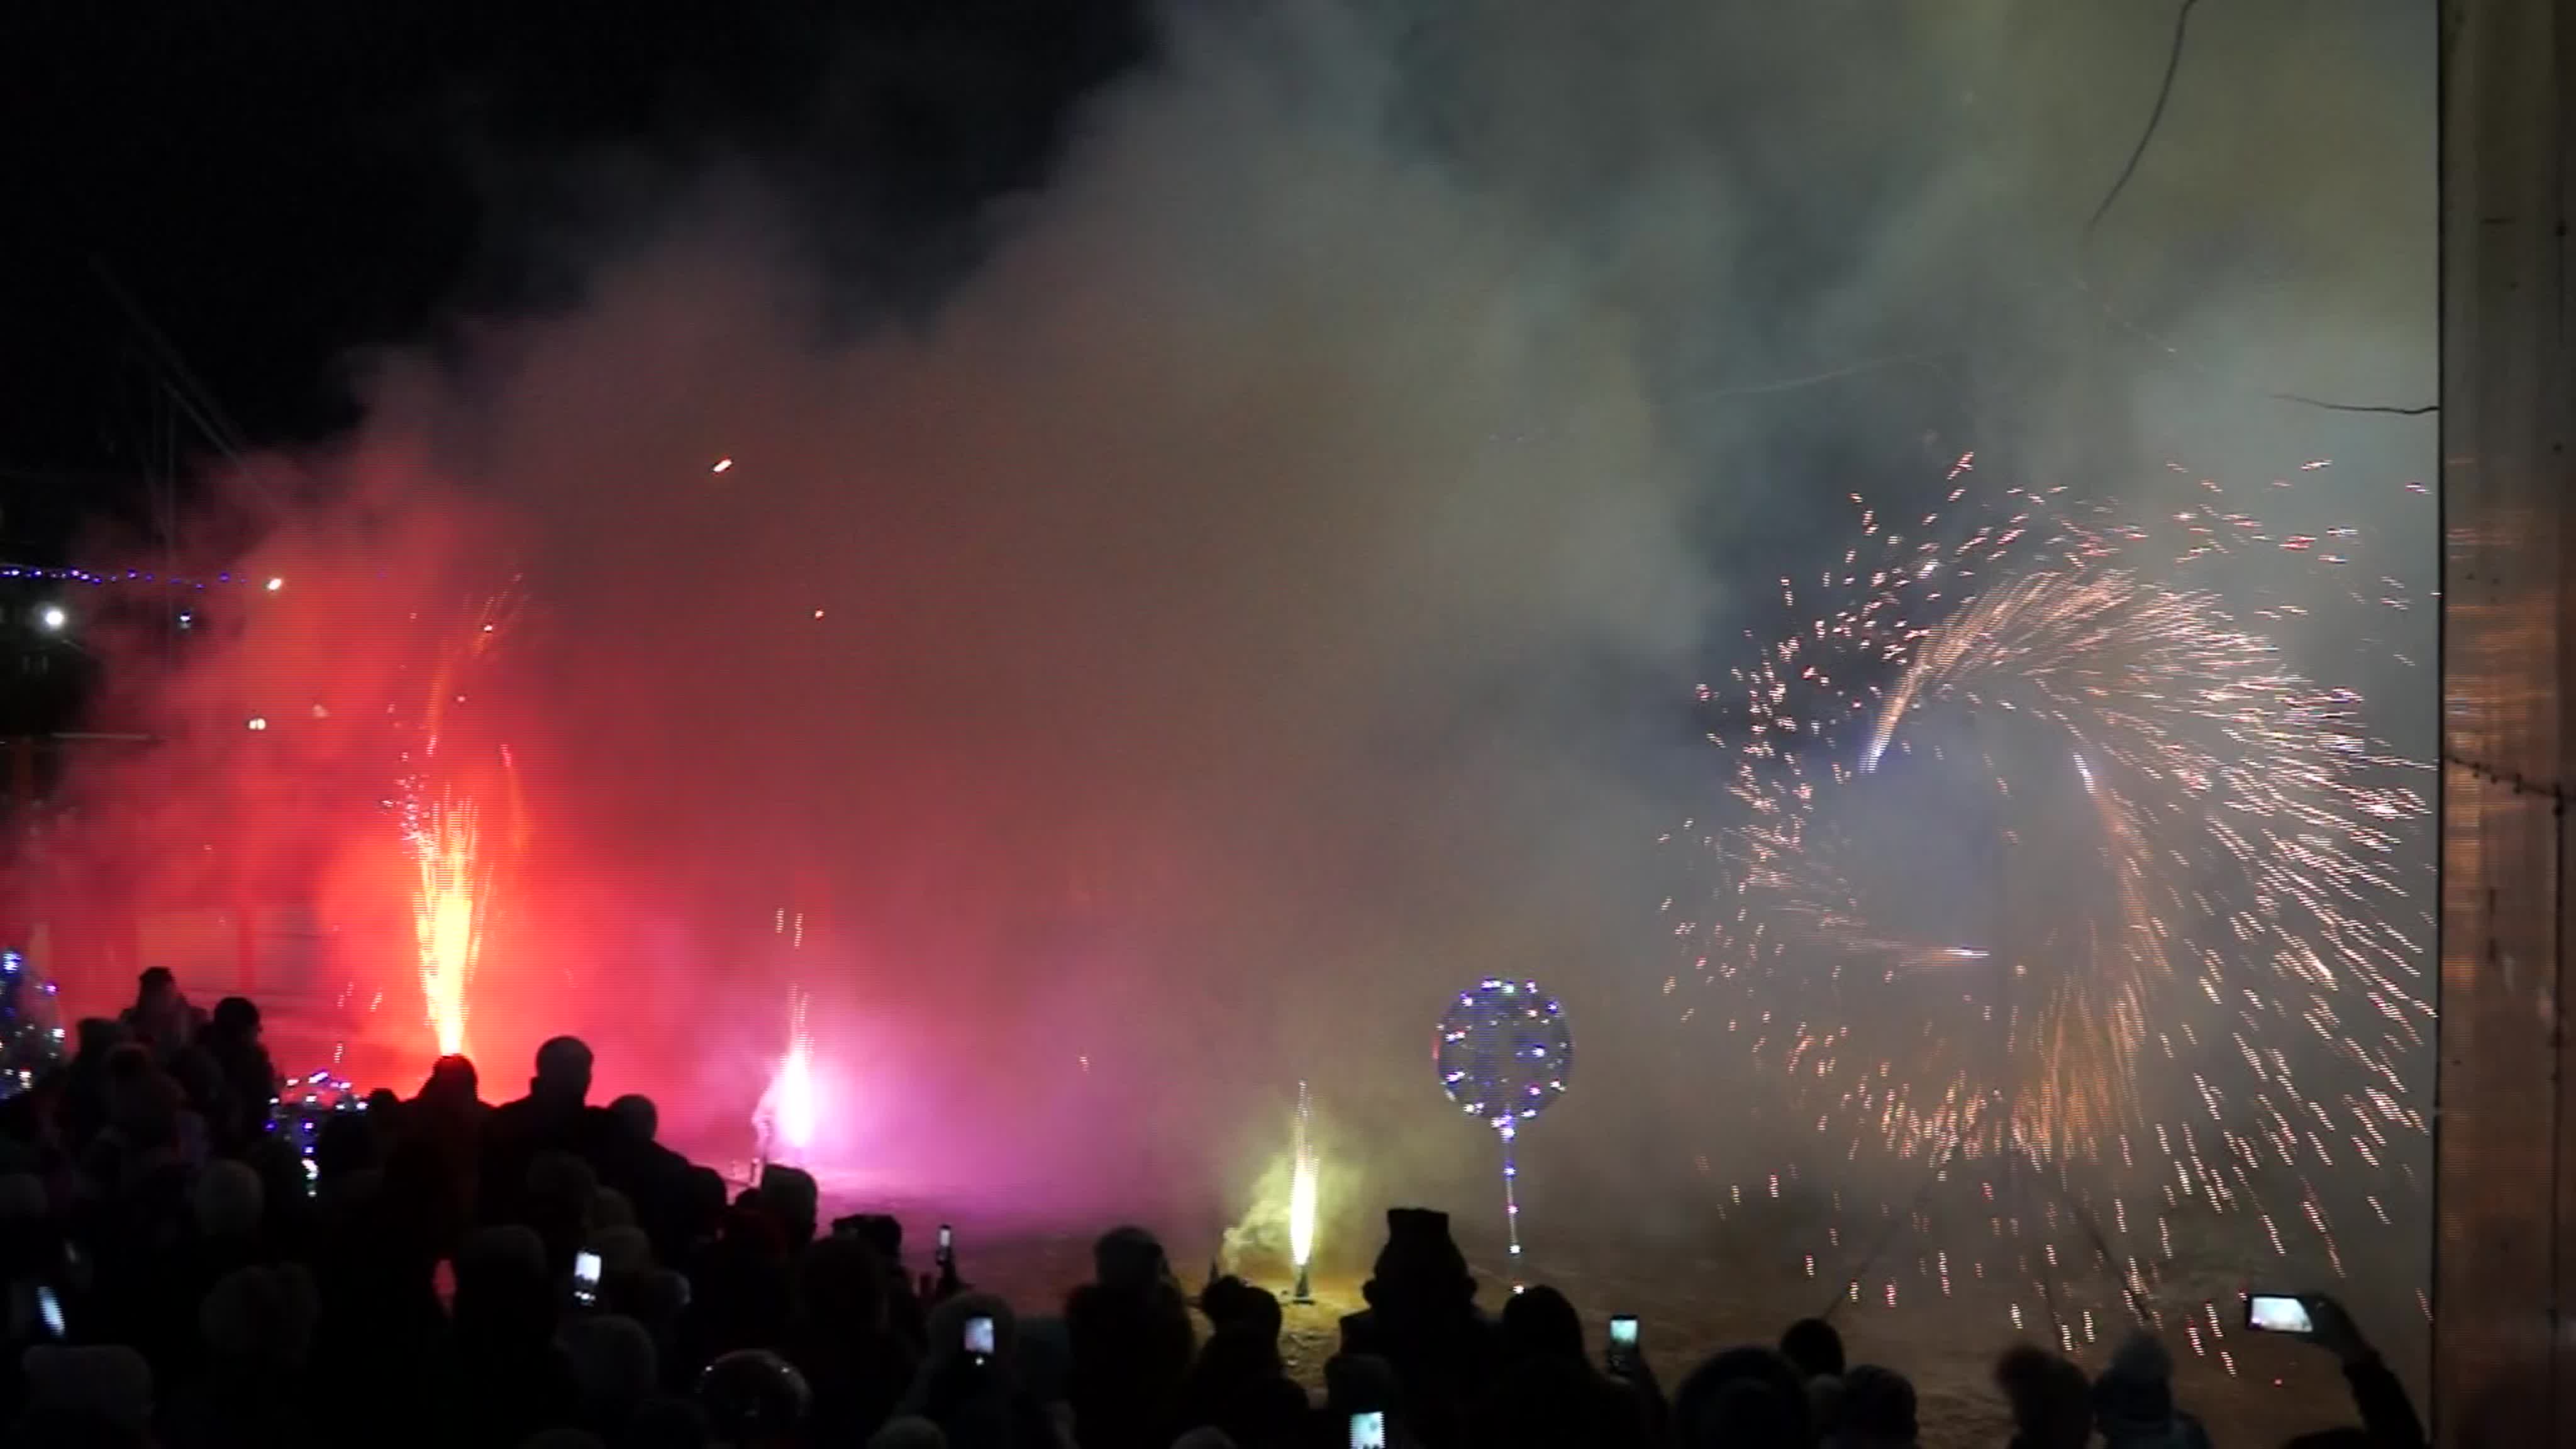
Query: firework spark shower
[[1261, 581], [2199, 978]]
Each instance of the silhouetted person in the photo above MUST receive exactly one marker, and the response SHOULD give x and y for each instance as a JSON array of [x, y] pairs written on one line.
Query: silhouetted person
[[1546, 1392], [837, 1337], [246, 1076], [1423, 1320], [979, 1401], [1132, 1344], [1743, 1398], [653, 1178], [753, 1399], [555, 1116], [2388, 1418], [505, 1378], [1815, 1346], [161, 1017], [1876, 1411], [2133, 1404], [84, 1100], [2052, 1405], [1239, 1384]]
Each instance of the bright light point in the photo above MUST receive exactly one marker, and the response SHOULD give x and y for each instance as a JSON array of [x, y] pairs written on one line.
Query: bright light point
[[1301, 1212], [51, 618], [789, 1107], [259, 721], [796, 1102], [818, 613], [722, 464]]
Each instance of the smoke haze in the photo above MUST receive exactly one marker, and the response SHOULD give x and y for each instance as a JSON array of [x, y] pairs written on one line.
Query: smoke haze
[[1264, 593]]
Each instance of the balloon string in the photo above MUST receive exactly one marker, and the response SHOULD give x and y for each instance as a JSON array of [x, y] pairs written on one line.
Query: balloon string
[[1511, 1200]]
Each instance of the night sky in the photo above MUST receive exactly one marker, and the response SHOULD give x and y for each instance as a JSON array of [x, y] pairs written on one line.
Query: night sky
[[234, 204]]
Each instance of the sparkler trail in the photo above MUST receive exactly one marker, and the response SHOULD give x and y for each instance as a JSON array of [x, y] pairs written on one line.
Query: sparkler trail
[[2189, 981]]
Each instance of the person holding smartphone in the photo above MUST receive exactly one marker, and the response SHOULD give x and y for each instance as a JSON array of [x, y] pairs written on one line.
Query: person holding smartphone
[[2387, 1414], [1552, 1391]]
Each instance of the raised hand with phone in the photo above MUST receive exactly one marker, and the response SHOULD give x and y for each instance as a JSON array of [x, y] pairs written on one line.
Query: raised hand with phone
[[2386, 1412]]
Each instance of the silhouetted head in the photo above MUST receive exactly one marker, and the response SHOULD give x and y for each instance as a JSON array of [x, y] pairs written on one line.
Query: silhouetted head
[[228, 1201], [2136, 1387], [1744, 1395], [753, 1397], [1541, 1324], [1877, 1406], [1359, 1383], [2051, 1403], [504, 1298], [908, 1432], [99, 1035], [1129, 1260], [1231, 1303], [636, 1116], [1748, 1414], [793, 1200], [453, 1078], [563, 1071], [155, 986], [1814, 1346], [237, 1017], [841, 1286], [1420, 1266], [261, 1318], [614, 1365]]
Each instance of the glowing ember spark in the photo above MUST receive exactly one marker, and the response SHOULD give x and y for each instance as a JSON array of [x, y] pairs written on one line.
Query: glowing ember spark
[[1302, 1190]]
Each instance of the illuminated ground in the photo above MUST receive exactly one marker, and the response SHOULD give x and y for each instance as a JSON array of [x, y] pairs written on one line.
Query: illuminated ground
[[1693, 1302]]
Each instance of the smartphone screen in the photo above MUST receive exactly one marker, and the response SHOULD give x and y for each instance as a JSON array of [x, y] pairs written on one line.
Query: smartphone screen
[[585, 1277], [1368, 1431], [50, 1309], [1623, 1333], [979, 1337], [2277, 1313], [947, 1239]]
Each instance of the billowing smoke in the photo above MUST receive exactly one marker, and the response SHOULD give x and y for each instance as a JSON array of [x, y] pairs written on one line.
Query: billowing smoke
[[1263, 595]]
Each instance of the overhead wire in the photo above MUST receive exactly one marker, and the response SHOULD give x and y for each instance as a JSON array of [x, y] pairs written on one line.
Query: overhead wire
[[2120, 184]]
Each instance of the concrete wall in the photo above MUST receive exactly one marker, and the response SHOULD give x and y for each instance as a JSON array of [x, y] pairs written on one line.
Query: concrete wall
[[2504, 1271]]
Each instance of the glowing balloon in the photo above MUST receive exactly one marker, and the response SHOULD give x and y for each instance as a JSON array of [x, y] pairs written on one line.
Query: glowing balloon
[[1504, 1051]]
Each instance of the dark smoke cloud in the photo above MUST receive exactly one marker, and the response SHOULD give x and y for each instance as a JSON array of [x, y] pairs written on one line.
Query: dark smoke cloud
[[1263, 598]]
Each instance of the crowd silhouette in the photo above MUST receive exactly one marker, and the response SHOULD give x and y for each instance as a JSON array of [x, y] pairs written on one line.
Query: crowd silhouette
[[546, 1273]]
